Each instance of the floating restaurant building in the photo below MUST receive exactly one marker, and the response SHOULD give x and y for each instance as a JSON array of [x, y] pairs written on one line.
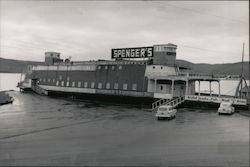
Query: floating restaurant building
[[139, 75]]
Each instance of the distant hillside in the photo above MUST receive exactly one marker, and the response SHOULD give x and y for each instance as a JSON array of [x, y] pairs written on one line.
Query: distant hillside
[[16, 66], [228, 68]]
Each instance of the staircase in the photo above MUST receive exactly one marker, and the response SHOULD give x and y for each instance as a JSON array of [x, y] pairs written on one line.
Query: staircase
[[173, 102], [36, 88], [158, 103]]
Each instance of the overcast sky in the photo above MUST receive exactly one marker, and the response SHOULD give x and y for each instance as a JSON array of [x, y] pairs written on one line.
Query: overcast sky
[[205, 32]]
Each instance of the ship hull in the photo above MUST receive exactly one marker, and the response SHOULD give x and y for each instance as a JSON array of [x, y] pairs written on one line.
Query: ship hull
[[104, 98]]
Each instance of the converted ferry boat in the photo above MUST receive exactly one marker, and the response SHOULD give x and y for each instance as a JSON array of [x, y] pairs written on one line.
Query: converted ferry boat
[[146, 73], [140, 75]]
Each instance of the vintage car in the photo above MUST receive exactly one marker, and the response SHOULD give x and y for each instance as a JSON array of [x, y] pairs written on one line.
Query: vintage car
[[166, 111], [226, 108]]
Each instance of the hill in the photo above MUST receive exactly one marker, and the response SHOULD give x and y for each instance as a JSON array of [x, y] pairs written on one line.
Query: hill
[[227, 68], [16, 66]]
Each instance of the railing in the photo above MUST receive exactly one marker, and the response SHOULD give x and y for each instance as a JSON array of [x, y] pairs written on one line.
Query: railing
[[176, 102], [159, 103], [214, 76], [39, 90]]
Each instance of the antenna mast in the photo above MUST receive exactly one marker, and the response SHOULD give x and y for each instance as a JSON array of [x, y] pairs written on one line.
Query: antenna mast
[[242, 61]]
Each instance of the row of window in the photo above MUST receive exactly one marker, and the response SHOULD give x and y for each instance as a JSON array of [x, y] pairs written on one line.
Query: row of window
[[92, 84], [106, 67]]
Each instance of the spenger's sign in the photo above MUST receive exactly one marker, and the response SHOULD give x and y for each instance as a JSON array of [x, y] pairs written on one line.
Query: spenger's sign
[[142, 52]]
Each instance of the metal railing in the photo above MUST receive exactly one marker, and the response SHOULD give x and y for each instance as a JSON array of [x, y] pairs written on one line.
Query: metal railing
[[159, 103], [36, 88], [176, 102]]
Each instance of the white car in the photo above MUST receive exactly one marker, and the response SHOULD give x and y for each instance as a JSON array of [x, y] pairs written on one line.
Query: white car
[[226, 108], [165, 111]]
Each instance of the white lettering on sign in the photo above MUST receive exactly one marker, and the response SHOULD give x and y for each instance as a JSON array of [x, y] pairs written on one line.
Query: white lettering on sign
[[142, 52], [216, 99]]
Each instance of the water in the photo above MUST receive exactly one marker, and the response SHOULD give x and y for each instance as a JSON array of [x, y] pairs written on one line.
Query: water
[[8, 81], [42, 131]]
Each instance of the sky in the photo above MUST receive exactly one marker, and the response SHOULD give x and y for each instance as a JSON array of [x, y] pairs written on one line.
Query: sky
[[204, 31]]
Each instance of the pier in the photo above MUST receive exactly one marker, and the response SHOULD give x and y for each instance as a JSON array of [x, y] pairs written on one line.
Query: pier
[[197, 77]]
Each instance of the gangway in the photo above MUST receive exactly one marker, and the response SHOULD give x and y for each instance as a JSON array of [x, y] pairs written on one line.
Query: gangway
[[158, 103], [36, 88], [173, 102]]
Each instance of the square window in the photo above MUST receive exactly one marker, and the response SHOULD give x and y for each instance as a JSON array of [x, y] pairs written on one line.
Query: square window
[[73, 84], [125, 86], [85, 84], [107, 85], [116, 86], [100, 85], [79, 84], [134, 87], [92, 84]]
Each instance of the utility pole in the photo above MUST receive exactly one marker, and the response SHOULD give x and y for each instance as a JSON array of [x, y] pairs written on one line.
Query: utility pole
[[241, 75]]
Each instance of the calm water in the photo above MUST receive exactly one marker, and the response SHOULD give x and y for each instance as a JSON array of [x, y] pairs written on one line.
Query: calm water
[[39, 130], [8, 81]]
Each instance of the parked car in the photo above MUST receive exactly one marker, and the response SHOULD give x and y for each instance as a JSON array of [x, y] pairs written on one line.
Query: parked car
[[166, 111], [226, 108]]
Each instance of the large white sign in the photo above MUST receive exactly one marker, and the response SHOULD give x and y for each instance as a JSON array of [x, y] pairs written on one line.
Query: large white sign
[[216, 99], [142, 52]]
